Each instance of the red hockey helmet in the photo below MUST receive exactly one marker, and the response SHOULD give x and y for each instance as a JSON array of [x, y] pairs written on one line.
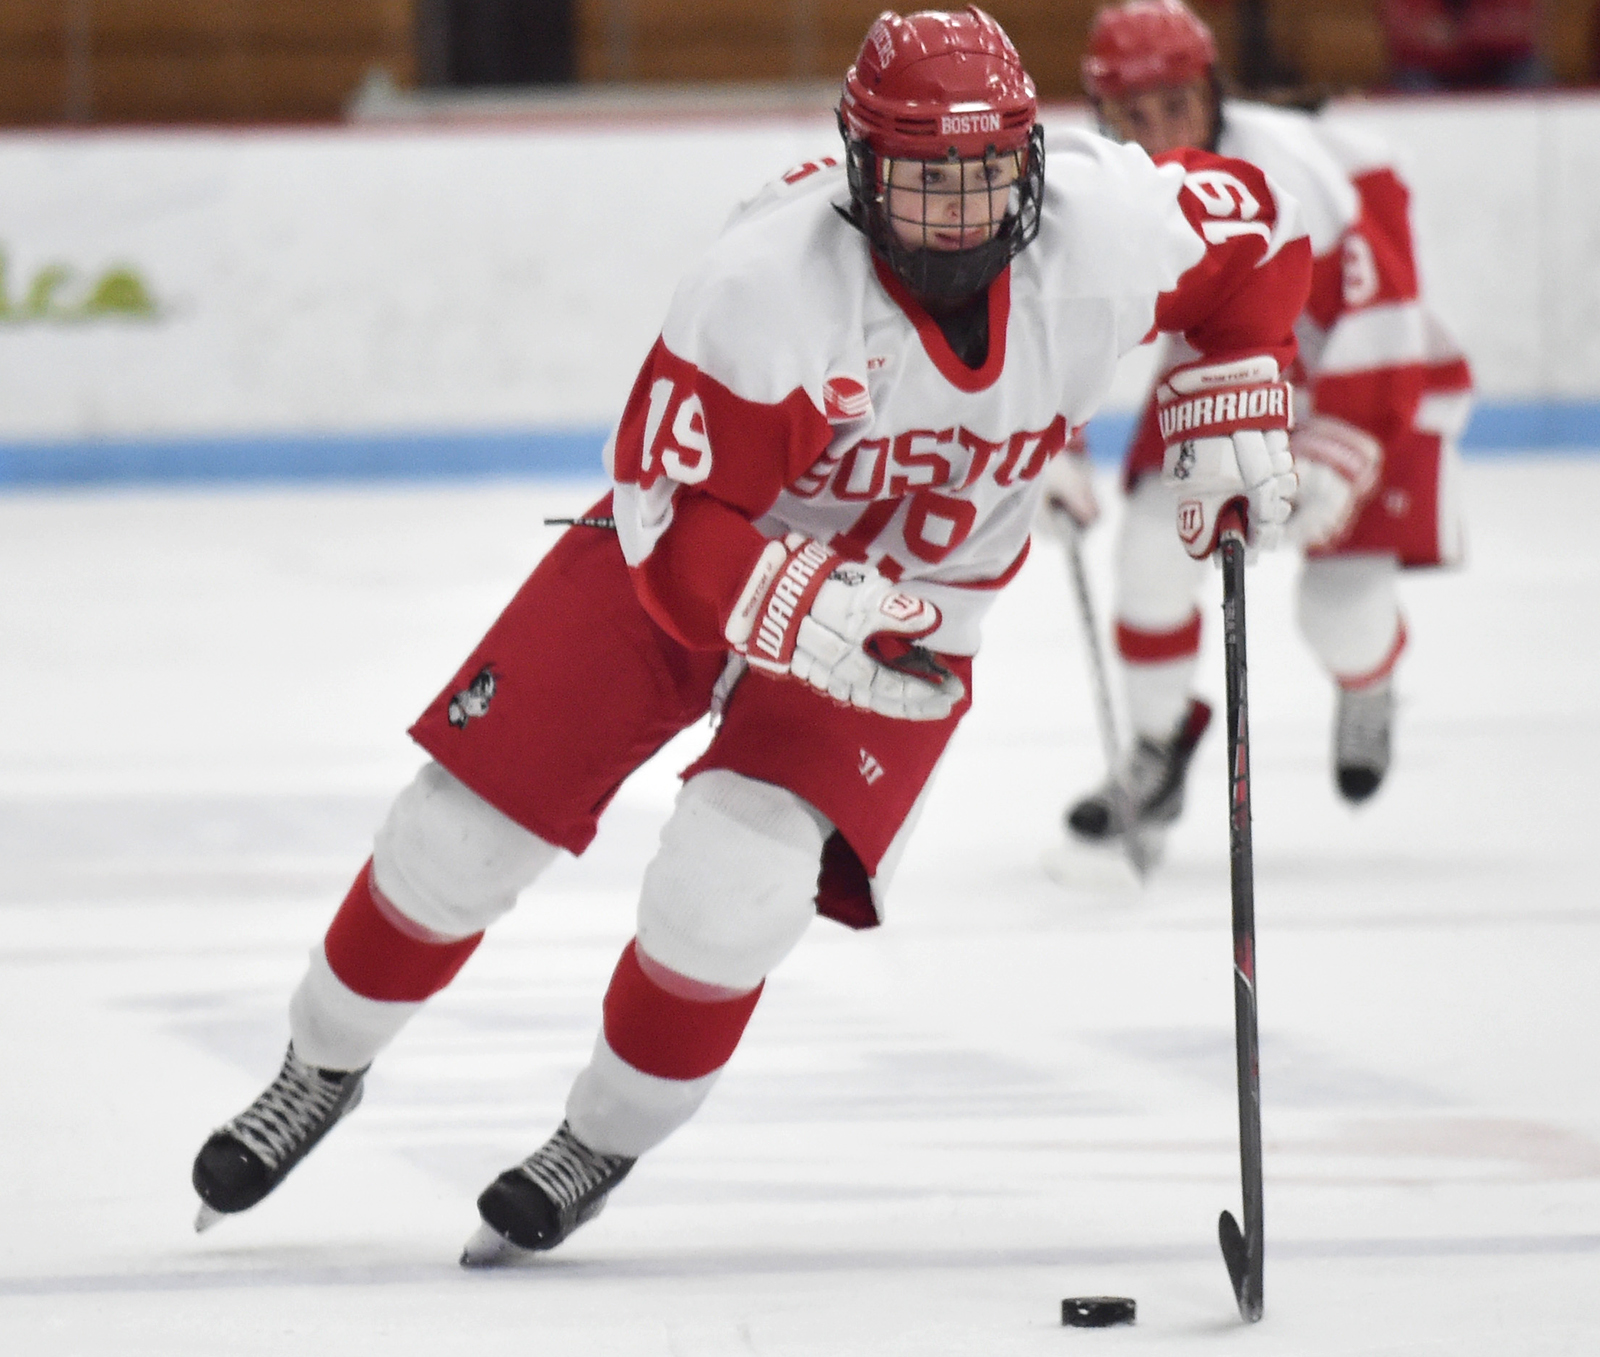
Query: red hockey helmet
[[937, 87], [1145, 44]]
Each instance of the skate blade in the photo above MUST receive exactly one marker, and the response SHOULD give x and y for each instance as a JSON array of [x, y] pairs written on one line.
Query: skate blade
[[489, 1248], [206, 1218], [1099, 869]]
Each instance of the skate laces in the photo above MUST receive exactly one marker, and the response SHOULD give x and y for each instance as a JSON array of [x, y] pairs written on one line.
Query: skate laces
[[1143, 772], [294, 1106], [566, 1170], [1363, 726]]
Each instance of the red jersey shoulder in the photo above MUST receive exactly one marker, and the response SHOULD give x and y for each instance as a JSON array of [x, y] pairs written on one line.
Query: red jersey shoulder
[[1243, 296], [1225, 198]]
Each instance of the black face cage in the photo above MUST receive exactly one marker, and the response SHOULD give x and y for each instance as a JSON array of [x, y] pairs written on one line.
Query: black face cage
[[947, 275]]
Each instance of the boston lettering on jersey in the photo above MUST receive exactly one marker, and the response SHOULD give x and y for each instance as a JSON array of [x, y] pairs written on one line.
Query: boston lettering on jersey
[[929, 459]]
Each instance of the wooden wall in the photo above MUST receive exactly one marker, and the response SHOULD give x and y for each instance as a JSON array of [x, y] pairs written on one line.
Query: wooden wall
[[781, 39], [251, 60], [193, 60], [1336, 43]]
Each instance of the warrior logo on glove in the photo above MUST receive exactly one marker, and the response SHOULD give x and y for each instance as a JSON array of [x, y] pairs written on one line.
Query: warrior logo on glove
[[844, 629], [791, 594], [1226, 412], [1226, 427]]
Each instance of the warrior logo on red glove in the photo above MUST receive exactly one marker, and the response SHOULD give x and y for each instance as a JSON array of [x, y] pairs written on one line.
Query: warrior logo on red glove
[[1226, 412], [789, 600]]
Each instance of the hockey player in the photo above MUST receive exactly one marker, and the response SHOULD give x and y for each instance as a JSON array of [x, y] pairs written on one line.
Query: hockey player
[[826, 469], [1382, 396]]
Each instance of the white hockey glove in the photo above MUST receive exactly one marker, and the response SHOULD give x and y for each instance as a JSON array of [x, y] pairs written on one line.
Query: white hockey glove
[[1069, 501], [1338, 466], [1227, 446], [843, 628]]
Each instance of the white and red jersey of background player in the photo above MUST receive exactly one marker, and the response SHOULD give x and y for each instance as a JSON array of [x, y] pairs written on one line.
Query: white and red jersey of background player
[[1371, 352], [797, 386]]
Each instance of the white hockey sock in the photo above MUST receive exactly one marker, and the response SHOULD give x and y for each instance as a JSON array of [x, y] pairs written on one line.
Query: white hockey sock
[[616, 1109], [335, 1028], [1158, 695], [1349, 613]]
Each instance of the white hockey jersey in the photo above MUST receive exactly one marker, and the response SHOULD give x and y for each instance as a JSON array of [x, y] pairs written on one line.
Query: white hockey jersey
[[797, 386]]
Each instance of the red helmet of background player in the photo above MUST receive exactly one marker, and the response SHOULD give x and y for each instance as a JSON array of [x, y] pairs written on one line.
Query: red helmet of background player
[[1145, 44], [941, 87]]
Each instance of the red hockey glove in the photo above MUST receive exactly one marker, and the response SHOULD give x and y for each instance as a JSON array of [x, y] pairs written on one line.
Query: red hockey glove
[[1337, 464], [844, 629], [1226, 430]]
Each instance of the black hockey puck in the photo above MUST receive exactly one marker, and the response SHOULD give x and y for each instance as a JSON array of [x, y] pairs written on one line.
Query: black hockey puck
[[1097, 1312]]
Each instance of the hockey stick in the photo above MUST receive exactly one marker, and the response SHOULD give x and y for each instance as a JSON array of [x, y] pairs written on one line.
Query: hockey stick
[[1133, 840], [1242, 1249]]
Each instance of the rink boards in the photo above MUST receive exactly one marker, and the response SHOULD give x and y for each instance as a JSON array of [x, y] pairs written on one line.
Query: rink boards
[[399, 301]]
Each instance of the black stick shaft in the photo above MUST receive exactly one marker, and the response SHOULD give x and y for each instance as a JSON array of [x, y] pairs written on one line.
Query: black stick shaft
[[1246, 1271]]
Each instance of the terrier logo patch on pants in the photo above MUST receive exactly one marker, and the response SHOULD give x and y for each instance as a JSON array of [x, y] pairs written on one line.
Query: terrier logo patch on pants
[[473, 700]]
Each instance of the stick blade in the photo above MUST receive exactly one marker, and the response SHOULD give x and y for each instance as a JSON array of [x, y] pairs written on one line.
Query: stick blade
[[1246, 1277]]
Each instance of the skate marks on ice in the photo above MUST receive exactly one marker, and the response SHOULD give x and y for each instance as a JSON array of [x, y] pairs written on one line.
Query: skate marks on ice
[[802, 1204], [229, 845], [306, 1266], [1095, 870], [180, 846]]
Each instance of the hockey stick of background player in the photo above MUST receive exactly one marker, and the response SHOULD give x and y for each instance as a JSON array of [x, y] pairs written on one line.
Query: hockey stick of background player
[[1133, 840], [1242, 1250]]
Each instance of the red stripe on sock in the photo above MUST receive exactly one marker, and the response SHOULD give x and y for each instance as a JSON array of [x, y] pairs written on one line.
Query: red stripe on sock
[[380, 960], [1153, 647], [664, 1034], [1378, 675]]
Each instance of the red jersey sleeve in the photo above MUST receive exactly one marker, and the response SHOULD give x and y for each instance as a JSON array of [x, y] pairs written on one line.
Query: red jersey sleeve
[[1242, 297], [694, 465]]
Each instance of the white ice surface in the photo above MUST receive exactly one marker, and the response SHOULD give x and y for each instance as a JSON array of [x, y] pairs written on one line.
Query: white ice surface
[[931, 1133]]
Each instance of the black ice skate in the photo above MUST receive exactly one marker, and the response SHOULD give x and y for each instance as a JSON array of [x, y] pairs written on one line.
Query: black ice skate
[[1149, 781], [253, 1153], [536, 1205], [1361, 725]]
